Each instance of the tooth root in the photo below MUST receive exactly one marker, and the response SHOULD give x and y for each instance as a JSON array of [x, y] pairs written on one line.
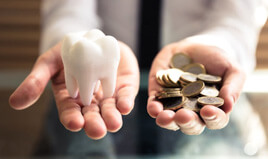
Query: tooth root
[[71, 85], [108, 86], [86, 88], [97, 87]]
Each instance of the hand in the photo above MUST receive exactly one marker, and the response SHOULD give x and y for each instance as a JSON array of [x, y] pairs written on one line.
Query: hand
[[216, 63], [98, 118]]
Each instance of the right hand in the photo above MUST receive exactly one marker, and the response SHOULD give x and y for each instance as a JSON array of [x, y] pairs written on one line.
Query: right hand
[[102, 115]]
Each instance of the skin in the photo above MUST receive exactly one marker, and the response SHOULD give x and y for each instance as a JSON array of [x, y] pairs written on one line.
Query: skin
[[215, 63], [106, 114], [102, 115]]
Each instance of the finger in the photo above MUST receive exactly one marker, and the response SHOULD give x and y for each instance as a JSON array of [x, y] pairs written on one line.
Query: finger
[[165, 120], [32, 87], [128, 80], [94, 125], [126, 94], [213, 117], [28, 92], [110, 115], [189, 122], [234, 80], [68, 109], [154, 107]]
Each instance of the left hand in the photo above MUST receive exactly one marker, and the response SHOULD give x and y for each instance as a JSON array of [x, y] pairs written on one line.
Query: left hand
[[216, 63]]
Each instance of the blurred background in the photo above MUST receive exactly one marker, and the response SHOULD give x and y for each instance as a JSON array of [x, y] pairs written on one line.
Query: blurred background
[[19, 41]]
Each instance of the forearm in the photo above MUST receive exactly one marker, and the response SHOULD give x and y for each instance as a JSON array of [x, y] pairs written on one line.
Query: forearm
[[234, 26], [62, 16]]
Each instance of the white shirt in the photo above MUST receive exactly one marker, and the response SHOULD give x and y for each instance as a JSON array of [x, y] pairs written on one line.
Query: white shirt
[[232, 25]]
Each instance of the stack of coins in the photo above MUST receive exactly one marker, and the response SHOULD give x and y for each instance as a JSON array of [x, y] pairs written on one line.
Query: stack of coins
[[187, 85]]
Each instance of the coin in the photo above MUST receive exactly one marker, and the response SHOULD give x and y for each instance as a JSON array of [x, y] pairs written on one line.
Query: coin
[[174, 75], [170, 89], [172, 92], [183, 84], [195, 68], [191, 104], [209, 78], [188, 77], [161, 95], [173, 103], [159, 75], [179, 60], [210, 91], [215, 101], [193, 89], [166, 80]]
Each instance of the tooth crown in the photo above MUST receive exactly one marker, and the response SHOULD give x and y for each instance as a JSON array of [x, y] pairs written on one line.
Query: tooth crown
[[88, 57]]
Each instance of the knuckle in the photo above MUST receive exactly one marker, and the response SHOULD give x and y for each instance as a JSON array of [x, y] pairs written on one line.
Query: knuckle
[[34, 89]]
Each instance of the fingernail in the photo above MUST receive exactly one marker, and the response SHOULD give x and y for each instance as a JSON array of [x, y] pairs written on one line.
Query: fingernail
[[172, 126], [189, 124], [213, 117]]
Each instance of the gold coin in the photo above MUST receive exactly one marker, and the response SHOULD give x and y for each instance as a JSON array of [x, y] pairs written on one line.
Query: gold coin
[[195, 68], [170, 89], [191, 104], [173, 103], [182, 82], [179, 60], [172, 92], [215, 101], [161, 95], [174, 75], [159, 76], [166, 80], [209, 78], [193, 89], [188, 77], [210, 91]]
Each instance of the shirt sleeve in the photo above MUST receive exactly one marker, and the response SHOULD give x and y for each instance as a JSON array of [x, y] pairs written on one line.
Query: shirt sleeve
[[234, 26], [59, 17]]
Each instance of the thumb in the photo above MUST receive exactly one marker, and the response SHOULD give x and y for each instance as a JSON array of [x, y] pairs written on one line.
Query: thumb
[[28, 92], [33, 86]]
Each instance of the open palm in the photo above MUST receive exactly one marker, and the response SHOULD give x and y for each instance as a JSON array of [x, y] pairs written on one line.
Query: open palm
[[102, 115], [216, 63]]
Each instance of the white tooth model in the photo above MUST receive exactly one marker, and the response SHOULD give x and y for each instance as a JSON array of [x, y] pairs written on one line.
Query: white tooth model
[[87, 58]]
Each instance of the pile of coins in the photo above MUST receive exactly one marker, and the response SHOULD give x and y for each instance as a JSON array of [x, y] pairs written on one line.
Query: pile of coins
[[186, 85]]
